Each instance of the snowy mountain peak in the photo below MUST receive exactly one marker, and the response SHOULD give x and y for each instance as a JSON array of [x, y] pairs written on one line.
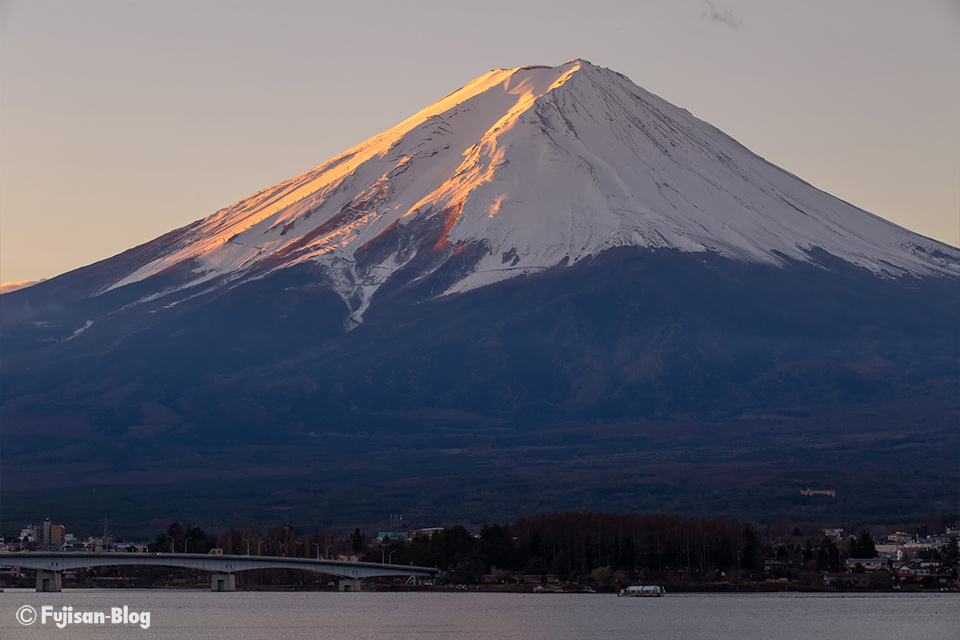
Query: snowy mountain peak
[[525, 169]]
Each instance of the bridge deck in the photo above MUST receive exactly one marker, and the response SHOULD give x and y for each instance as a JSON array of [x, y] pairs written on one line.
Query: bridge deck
[[64, 561]]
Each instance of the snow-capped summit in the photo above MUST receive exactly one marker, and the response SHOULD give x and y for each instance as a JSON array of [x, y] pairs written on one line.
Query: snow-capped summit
[[527, 169]]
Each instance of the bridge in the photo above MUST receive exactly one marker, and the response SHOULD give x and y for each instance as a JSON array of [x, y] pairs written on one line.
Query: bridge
[[50, 566]]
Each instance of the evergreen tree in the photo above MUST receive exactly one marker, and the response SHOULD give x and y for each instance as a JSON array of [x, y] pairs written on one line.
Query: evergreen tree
[[828, 556], [864, 546], [950, 553]]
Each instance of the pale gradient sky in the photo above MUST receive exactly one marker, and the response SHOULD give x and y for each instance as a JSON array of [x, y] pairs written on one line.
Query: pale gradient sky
[[121, 120]]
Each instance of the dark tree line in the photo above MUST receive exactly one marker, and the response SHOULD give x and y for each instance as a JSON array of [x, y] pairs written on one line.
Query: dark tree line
[[635, 542], [578, 543]]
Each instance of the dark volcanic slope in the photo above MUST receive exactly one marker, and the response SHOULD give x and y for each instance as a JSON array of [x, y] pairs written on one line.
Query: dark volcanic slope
[[629, 334], [266, 372]]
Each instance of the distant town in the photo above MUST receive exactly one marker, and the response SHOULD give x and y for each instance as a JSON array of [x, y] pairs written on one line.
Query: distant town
[[591, 552]]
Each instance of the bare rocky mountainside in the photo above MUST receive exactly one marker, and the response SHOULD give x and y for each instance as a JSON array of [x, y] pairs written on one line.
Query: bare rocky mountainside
[[550, 289]]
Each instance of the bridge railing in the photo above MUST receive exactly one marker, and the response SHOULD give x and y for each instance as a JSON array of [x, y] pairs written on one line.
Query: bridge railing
[[350, 573]]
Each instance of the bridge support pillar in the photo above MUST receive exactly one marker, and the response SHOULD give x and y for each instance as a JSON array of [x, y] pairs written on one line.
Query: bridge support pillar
[[49, 581], [349, 584], [223, 582]]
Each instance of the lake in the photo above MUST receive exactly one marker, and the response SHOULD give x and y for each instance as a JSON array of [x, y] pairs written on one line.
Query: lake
[[179, 614]]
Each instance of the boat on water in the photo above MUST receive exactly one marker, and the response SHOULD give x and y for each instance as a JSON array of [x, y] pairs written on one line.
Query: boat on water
[[649, 591]]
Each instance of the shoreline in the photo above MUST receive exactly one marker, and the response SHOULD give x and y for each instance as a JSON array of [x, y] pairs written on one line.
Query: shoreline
[[507, 589]]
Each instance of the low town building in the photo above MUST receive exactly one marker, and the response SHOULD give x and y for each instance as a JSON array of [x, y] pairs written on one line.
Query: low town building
[[869, 564]]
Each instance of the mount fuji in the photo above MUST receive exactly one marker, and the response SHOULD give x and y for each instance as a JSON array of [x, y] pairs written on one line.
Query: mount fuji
[[547, 255]]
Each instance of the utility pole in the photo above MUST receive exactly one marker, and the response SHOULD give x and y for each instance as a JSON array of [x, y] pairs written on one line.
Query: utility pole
[[106, 540]]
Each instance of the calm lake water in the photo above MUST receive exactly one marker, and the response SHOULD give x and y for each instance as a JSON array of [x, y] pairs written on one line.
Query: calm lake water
[[180, 615]]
